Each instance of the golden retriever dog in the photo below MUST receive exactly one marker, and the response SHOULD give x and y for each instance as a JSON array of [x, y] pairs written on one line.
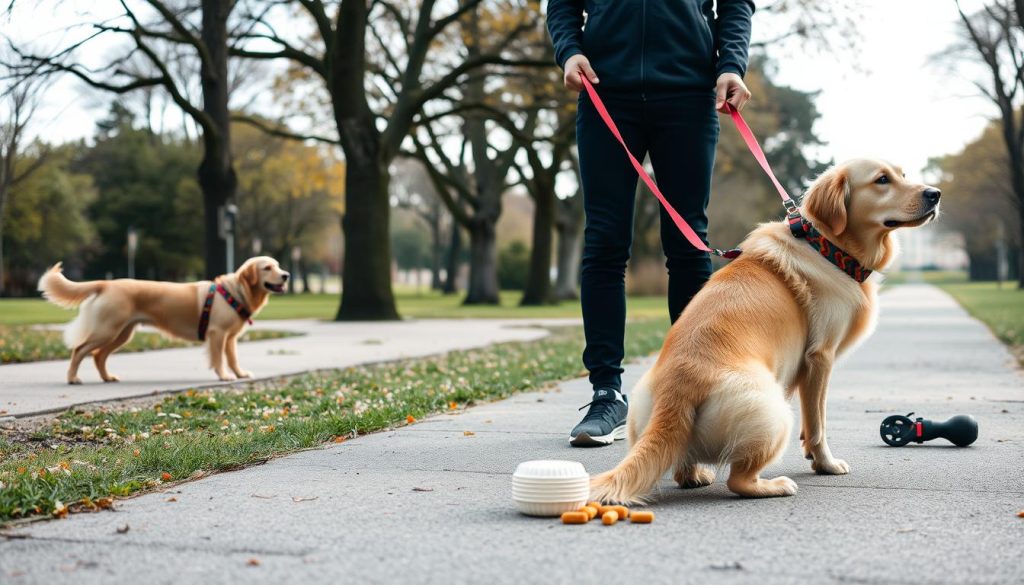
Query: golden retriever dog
[[111, 309], [770, 324]]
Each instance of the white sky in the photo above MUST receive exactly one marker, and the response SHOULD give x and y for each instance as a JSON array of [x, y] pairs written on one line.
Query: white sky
[[891, 103]]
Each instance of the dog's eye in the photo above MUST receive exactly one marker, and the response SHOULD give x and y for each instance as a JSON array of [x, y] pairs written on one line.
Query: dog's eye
[[883, 180], [266, 268]]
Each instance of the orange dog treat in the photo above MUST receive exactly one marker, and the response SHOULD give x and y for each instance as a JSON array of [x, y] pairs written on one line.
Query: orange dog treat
[[596, 505], [590, 510], [622, 511], [575, 518], [641, 517], [610, 517]]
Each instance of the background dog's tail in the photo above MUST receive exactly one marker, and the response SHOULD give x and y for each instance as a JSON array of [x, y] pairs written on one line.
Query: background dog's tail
[[62, 292], [654, 453]]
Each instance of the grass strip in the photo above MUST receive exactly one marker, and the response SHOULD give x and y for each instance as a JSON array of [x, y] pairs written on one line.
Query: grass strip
[[20, 343], [999, 307], [80, 460]]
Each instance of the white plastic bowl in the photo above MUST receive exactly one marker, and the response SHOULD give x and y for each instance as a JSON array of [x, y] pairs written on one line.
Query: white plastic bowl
[[549, 487]]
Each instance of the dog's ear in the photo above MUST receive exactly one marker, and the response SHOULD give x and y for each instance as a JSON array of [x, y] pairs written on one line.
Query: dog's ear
[[827, 199], [251, 275]]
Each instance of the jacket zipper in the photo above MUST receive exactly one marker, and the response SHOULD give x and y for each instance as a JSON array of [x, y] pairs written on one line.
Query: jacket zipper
[[643, 49]]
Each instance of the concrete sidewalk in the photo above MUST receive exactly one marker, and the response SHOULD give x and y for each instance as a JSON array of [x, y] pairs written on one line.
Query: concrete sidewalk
[[428, 504], [40, 387]]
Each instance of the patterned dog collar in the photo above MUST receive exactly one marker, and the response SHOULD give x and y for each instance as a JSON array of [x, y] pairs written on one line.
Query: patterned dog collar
[[204, 317], [802, 228]]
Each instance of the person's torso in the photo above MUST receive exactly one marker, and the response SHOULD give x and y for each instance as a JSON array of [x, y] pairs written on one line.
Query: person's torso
[[651, 48]]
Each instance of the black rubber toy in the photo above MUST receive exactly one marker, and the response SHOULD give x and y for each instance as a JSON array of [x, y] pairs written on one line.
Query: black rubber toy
[[898, 430]]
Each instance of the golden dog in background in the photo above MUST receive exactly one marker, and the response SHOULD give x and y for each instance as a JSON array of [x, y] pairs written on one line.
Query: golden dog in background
[[111, 309], [768, 325]]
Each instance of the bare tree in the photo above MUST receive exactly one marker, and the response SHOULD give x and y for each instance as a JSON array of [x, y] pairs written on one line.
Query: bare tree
[[171, 34], [995, 38], [20, 99], [374, 105]]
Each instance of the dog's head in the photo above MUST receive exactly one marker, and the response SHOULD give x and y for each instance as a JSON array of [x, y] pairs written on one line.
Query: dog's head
[[859, 203], [262, 273]]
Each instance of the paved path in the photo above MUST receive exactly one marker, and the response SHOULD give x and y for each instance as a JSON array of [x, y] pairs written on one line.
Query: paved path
[[40, 387], [922, 514]]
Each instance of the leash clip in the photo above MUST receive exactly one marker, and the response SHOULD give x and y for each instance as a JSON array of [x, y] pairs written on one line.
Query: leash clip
[[791, 206]]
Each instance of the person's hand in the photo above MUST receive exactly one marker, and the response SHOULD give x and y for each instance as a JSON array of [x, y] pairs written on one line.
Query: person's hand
[[729, 88], [574, 67]]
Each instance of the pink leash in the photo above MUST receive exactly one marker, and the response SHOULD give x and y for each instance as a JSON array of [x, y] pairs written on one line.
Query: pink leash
[[748, 137]]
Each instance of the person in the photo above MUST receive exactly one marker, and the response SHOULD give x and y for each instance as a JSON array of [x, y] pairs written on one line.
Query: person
[[663, 69]]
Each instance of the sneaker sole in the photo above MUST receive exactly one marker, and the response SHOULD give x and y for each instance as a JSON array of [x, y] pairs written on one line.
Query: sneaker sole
[[585, 440]]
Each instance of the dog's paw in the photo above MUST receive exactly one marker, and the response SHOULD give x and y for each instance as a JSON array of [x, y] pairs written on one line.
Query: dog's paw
[[694, 477], [74, 381], [111, 378], [226, 377], [244, 374], [784, 486], [830, 467]]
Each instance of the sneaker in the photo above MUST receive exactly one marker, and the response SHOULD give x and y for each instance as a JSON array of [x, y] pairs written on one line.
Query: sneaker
[[604, 423]]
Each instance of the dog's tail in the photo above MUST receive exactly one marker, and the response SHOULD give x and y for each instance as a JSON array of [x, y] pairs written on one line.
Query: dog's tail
[[656, 450], [62, 292]]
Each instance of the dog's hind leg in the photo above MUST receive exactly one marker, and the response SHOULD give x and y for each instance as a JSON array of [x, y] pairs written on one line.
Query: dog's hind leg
[[78, 354], [100, 355], [763, 422]]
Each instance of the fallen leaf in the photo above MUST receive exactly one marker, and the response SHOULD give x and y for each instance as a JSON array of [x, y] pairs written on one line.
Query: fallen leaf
[[904, 530], [1020, 514], [253, 562], [60, 510], [304, 498], [422, 489], [105, 503], [410, 419], [136, 452], [172, 499], [468, 433], [339, 439], [452, 405], [262, 497], [165, 476], [122, 529]]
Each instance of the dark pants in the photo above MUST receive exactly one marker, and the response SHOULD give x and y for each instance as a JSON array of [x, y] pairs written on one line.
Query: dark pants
[[680, 134]]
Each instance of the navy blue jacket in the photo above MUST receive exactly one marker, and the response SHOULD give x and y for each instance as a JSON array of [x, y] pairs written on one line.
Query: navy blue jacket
[[653, 47]]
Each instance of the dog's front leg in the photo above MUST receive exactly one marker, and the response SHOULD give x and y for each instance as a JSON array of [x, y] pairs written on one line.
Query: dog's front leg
[[231, 351], [813, 392], [217, 339]]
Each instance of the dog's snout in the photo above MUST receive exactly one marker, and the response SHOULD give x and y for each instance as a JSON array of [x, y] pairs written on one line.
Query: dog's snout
[[931, 195], [284, 277]]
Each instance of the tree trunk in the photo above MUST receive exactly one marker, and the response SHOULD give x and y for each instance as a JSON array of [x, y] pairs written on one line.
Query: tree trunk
[[435, 250], [306, 287], [366, 273], [366, 293], [538, 279], [1020, 250], [451, 284], [568, 258], [483, 264], [217, 177]]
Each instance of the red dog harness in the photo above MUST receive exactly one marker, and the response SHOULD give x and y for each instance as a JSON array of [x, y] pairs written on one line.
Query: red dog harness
[[204, 317], [799, 226]]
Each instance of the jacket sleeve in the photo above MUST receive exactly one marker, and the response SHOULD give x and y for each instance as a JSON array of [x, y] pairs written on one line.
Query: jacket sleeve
[[565, 25], [732, 37]]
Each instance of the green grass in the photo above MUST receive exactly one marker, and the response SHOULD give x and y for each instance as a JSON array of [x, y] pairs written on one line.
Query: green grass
[[1001, 308], [22, 343], [80, 459], [428, 305]]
